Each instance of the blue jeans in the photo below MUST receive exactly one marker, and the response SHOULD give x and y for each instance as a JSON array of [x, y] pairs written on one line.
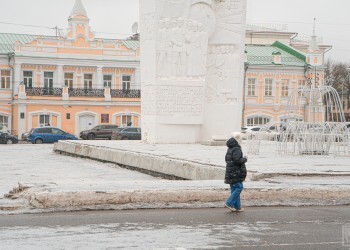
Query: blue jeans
[[234, 200]]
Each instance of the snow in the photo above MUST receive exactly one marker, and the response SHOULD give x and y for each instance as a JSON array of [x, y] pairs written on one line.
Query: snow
[[135, 236], [56, 179]]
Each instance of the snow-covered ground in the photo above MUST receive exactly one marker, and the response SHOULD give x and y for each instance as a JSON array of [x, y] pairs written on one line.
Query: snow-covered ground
[[59, 181], [39, 167]]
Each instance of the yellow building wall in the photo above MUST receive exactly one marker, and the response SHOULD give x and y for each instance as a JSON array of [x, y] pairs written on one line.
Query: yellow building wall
[[69, 125]]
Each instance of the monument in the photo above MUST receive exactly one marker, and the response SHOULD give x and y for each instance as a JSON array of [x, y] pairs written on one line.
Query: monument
[[192, 58]]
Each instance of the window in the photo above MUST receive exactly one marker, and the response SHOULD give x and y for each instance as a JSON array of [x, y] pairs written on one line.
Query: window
[[126, 120], [68, 116], [5, 79], [44, 120], [107, 81], [301, 85], [56, 131], [87, 81], [43, 131], [126, 81], [68, 80], [251, 86], [268, 87], [258, 120], [4, 122], [48, 80], [28, 79], [285, 88], [22, 115]]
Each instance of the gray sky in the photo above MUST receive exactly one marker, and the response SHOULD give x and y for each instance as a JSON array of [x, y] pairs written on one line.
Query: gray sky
[[117, 16]]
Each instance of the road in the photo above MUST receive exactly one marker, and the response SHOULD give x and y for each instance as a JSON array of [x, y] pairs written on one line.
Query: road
[[256, 228]]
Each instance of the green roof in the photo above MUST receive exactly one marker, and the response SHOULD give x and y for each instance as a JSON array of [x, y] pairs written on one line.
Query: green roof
[[8, 41], [6, 48], [9, 38], [263, 55], [131, 44]]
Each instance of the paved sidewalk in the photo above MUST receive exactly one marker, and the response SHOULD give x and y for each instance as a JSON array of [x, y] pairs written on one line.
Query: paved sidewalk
[[54, 182]]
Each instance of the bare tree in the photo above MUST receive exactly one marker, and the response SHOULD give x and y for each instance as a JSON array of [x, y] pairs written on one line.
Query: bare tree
[[337, 75]]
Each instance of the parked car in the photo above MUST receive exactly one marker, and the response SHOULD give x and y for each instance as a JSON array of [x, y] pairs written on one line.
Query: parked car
[[24, 136], [249, 131], [6, 138], [4, 129], [98, 132], [127, 133], [48, 135]]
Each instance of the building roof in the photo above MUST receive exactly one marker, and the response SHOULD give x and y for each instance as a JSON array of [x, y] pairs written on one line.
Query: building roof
[[10, 38], [8, 41], [263, 55], [78, 9]]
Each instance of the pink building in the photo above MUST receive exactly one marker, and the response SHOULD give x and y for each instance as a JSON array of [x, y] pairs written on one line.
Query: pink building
[[73, 82]]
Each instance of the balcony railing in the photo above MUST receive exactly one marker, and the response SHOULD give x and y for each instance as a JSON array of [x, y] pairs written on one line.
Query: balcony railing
[[44, 91], [83, 92], [126, 93], [86, 92]]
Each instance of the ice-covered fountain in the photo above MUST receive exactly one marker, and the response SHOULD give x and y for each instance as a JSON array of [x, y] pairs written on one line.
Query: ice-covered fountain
[[314, 121], [314, 125]]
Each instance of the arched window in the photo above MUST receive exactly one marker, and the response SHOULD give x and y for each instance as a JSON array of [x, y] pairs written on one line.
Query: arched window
[[4, 122], [126, 119], [258, 120]]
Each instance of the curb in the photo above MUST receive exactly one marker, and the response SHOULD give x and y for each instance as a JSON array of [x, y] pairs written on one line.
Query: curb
[[129, 199], [167, 166]]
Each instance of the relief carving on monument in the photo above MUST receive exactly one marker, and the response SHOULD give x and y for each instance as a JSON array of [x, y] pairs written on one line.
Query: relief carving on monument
[[220, 86], [148, 26], [174, 100], [182, 49], [229, 15]]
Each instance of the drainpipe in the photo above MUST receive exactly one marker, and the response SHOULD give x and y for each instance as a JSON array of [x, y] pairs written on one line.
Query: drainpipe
[[246, 65], [11, 63]]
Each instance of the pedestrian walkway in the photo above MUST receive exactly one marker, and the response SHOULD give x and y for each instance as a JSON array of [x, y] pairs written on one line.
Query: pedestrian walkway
[[43, 180]]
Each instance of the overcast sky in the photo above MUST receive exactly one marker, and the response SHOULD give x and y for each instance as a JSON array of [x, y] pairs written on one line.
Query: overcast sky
[[117, 16]]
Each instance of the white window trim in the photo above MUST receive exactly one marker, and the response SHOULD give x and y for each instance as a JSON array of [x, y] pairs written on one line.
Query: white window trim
[[64, 76], [92, 79], [52, 113], [53, 78], [131, 79], [258, 116], [10, 87], [272, 87], [112, 79], [132, 114], [289, 89], [9, 120], [255, 87]]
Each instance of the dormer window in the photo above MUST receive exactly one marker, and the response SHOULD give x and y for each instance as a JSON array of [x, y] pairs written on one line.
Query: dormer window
[[277, 57]]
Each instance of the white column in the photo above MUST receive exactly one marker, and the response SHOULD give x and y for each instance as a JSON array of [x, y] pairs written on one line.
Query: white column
[[17, 77], [60, 77], [99, 77], [137, 79], [22, 108]]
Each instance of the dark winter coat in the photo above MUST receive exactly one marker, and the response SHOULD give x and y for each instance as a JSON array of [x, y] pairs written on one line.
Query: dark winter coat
[[235, 163]]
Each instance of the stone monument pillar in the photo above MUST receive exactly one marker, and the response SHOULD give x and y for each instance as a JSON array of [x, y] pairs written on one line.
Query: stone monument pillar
[[192, 57]]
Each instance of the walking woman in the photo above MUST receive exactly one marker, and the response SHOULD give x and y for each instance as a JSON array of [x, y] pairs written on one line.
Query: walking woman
[[236, 171]]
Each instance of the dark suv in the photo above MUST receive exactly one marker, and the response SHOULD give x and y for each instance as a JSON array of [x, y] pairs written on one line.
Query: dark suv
[[127, 133], [98, 132]]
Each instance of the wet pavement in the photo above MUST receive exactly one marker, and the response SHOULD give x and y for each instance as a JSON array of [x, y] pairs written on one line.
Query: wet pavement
[[256, 228]]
